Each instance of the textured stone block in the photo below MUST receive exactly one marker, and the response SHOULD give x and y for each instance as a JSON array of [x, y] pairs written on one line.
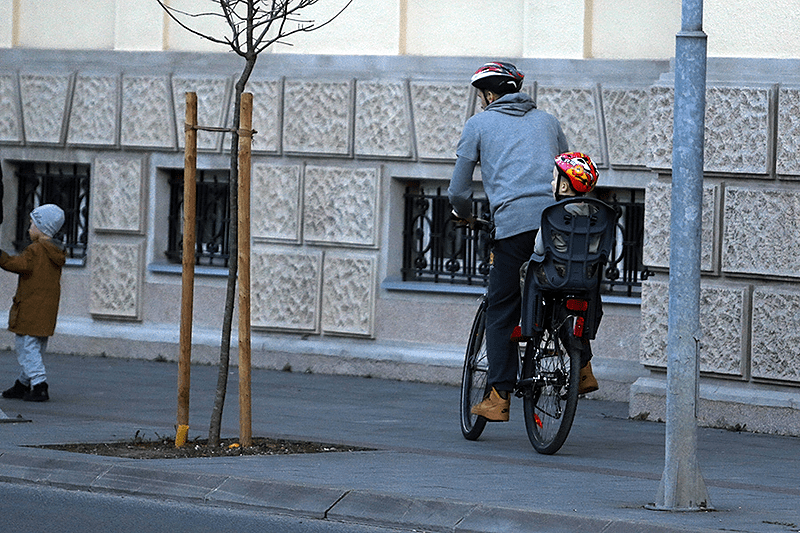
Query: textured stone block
[[576, 108], [147, 115], [759, 230], [654, 324], [658, 205], [788, 159], [736, 129], [10, 131], [212, 103], [116, 283], [723, 320], [267, 104], [275, 205], [383, 121], [285, 289], [348, 294], [93, 114], [44, 101], [662, 102], [267, 113], [440, 110], [341, 205], [776, 334], [118, 195], [626, 114], [317, 117]]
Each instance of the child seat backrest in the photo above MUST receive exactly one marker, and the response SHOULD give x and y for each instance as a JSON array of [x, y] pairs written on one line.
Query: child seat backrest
[[578, 235]]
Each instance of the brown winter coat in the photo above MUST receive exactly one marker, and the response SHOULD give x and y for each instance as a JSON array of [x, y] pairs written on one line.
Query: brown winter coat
[[35, 306]]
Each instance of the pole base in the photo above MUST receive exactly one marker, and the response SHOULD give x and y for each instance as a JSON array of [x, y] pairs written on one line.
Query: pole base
[[701, 508], [682, 488]]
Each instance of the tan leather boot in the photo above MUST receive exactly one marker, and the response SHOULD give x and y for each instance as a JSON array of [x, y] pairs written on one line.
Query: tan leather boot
[[587, 382], [493, 407]]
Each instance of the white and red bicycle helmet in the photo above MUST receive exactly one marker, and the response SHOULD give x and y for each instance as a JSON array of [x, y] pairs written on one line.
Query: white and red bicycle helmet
[[498, 77]]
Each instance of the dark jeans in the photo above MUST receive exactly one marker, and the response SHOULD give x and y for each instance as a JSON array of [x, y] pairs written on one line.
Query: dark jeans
[[503, 312]]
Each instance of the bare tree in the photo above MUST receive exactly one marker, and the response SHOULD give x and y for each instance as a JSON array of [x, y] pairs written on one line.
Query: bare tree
[[252, 26]]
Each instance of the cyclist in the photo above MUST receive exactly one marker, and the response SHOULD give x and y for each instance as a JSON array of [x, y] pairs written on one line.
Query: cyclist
[[574, 174], [515, 144]]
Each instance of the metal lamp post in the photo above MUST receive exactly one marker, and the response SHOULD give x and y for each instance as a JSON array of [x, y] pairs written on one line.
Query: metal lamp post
[[682, 487]]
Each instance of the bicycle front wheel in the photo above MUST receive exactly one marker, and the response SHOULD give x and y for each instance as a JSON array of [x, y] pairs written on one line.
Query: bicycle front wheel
[[550, 378], [474, 376]]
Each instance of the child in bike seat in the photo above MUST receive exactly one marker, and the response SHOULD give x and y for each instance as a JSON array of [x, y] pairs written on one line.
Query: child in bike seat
[[574, 174]]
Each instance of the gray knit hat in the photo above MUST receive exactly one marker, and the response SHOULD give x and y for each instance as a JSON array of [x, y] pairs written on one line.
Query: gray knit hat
[[48, 218]]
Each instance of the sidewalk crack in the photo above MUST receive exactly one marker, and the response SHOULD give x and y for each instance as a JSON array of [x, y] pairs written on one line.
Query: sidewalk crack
[[334, 504]]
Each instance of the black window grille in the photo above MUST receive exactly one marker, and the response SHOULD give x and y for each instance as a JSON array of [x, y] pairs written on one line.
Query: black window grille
[[435, 248], [439, 251], [625, 271], [63, 184], [212, 246]]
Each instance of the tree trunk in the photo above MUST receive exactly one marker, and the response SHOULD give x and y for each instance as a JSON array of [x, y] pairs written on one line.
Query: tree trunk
[[233, 267]]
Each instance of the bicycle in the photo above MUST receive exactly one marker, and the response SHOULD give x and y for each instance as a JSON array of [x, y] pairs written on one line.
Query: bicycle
[[561, 304]]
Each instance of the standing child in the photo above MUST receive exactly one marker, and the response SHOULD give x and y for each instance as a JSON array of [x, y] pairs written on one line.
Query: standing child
[[35, 308]]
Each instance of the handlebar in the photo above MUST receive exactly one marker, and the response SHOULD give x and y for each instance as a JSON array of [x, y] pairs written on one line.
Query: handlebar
[[479, 224]]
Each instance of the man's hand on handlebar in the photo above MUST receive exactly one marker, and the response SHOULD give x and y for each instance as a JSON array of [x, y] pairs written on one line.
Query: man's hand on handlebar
[[459, 220], [473, 222]]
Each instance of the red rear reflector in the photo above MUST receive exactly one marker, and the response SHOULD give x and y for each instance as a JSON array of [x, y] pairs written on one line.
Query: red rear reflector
[[578, 327], [577, 305]]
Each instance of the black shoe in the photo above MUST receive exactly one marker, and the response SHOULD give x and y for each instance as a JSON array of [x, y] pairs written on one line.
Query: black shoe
[[17, 392], [37, 394]]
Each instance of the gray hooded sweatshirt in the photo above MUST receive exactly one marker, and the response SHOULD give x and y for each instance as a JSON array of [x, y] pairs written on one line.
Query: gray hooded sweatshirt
[[516, 145]]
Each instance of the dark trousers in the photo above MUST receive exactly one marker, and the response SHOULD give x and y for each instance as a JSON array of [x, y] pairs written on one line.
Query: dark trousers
[[503, 312]]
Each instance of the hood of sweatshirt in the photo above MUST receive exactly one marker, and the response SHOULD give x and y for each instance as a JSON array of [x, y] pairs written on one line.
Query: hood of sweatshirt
[[55, 251], [515, 104]]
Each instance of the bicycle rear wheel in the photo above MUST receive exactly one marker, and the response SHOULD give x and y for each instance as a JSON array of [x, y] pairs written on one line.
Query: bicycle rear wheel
[[550, 378], [474, 376]]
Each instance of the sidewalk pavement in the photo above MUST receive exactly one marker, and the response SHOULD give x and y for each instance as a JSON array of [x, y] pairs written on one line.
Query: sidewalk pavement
[[422, 474]]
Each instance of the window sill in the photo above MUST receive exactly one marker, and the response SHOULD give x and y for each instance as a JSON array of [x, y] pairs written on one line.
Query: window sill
[[621, 300], [172, 268], [396, 284]]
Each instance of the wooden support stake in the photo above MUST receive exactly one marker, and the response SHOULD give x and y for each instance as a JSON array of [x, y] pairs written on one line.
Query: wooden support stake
[[187, 286], [245, 141]]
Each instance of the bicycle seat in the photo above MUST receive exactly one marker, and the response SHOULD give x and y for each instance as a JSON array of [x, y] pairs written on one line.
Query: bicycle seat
[[578, 235]]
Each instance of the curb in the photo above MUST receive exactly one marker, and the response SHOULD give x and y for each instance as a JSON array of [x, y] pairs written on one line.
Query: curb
[[296, 499]]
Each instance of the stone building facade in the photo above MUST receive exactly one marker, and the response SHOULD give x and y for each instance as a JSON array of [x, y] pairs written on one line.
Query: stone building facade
[[339, 139], [749, 351]]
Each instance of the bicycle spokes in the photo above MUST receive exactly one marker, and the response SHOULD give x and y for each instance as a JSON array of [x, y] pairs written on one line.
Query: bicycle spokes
[[552, 383], [549, 391]]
